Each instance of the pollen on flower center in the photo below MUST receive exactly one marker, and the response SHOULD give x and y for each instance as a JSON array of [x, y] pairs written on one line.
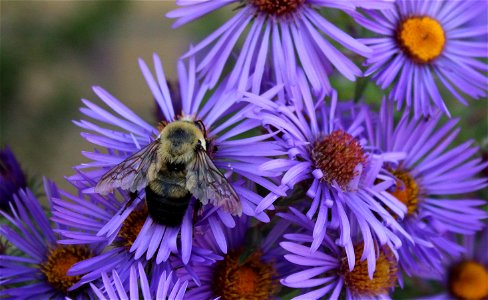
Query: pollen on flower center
[[276, 8], [59, 261], [467, 280], [422, 38], [384, 277], [338, 156], [406, 190], [248, 279], [132, 226]]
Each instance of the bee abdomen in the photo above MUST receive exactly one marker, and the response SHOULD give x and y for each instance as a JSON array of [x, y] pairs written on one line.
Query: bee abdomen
[[165, 209]]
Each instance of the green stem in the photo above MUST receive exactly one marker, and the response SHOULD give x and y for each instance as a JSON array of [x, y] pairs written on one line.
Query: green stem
[[361, 84]]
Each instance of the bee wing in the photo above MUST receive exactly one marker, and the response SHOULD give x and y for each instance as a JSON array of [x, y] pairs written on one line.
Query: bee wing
[[134, 172], [207, 183]]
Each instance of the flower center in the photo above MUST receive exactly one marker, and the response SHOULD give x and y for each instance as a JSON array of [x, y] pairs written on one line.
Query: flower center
[[338, 156], [132, 226], [422, 38], [248, 279], [384, 277], [406, 190], [59, 261], [276, 8], [467, 280]]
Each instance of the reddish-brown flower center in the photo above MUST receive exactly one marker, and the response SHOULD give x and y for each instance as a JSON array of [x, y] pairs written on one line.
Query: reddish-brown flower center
[[249, 279], [276, 8], [468, 280], [406, 190], [132, 226], [59, 261], [384, 277], [337, 156], [421, 38]]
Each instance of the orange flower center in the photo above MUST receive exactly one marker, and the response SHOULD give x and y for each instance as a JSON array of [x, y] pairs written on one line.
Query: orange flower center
[[59, 261], [406, 190], [384, 277], [422, 38], [468, 280], [337, 156], [276, 8], [249, 279], [132, 226]]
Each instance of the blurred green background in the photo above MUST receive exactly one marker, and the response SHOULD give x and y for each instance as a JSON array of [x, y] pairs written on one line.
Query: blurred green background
[[52, 52]]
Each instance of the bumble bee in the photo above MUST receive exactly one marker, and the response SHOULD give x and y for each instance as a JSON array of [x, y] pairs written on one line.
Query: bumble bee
[[171, 169]]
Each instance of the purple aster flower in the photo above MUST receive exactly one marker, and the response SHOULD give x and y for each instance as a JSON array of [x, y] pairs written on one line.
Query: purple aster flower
[[165, 287], [84, 215], [333, 165], [11, 177], [286, 33], [223, 118], [426, 44], [465, 277], [81, 217], [246, 271], [40, 266], [432, 180], [325, 273]]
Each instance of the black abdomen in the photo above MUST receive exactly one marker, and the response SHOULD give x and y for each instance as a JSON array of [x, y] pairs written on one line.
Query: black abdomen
[[166, 210]]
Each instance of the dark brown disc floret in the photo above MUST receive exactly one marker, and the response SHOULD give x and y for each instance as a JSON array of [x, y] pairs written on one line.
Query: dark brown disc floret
[[277, 8], [337, 156]]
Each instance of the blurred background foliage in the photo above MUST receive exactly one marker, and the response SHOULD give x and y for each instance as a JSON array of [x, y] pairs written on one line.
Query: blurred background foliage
[[52, 52]]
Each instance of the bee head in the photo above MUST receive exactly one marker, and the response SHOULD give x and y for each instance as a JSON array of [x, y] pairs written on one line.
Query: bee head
[[180, 139], [202, 140]]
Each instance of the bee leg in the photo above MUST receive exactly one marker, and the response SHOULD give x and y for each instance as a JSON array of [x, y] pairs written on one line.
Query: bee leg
[[132, 197], [196, 210]]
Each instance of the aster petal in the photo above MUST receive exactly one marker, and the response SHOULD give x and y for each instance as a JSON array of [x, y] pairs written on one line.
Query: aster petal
[[316, 294], [337, 34]]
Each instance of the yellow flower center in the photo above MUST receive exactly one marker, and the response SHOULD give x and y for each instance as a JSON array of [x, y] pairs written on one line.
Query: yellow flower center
[[406, 190], [384, 277], [468, 280], [235, 279], [59, 261], [337, 156], [132, 226], [276, 8], [422, 38]]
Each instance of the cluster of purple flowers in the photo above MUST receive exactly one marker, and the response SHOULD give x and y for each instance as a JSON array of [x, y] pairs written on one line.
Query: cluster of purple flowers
[[339, 198]]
